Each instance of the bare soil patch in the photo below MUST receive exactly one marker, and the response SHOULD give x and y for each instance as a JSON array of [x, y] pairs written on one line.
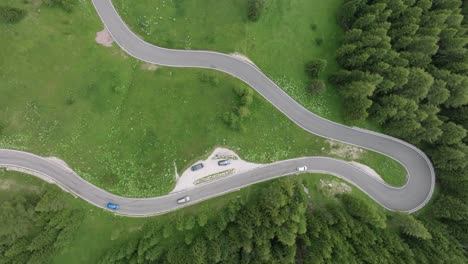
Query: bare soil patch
[[345, 151], [104, 38], [333, 187]]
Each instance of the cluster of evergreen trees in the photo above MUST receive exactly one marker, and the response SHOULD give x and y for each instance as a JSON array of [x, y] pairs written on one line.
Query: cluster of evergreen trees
[[280, 225], [254, 9], [405, 65], [34, 226], [339, 235], [403, 61], [313, 69], [11, 15], [235, 118], [66, 5], [263, 230]]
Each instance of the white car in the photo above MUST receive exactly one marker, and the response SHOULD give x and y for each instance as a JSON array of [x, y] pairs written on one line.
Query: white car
[[183, 200], [303, 168]]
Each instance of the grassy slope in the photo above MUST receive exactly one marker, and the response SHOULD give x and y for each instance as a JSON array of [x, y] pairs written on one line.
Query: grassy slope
[[117, 125], [280, 43]]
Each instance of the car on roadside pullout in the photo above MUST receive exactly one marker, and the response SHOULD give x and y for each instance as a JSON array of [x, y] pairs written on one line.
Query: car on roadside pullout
[[196, 167], [224, 162]]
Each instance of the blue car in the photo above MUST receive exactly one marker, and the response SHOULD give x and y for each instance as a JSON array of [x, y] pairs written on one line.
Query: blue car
[[113, 206]]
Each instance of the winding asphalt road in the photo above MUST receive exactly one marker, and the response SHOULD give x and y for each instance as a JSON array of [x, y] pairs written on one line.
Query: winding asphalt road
[[409, 198]]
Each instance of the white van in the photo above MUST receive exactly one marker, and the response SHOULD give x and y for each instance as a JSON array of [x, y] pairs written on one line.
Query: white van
[[303, 168], [183, 200]]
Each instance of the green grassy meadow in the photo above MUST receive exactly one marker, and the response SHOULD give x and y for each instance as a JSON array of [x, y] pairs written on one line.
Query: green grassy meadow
[[119, 125], [280, 43]]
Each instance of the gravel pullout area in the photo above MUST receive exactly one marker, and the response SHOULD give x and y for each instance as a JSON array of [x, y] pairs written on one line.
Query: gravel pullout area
[[188, 178]]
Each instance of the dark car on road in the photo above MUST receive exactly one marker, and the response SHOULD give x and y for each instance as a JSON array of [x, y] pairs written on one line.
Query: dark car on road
[[196, 167], [224, 162], [113, 206]]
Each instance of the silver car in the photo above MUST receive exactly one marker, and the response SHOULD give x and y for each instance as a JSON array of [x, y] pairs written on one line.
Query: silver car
[[183, 200], [224, 162]]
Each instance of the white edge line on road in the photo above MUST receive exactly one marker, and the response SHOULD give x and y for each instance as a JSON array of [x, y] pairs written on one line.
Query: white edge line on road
[[33, 172], [281, 90]]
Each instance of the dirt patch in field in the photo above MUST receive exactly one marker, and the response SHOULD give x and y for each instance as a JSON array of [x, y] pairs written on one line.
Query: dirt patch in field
[[36, 3], [149, 66], [344, 151], [333, 187], [104, 38]]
